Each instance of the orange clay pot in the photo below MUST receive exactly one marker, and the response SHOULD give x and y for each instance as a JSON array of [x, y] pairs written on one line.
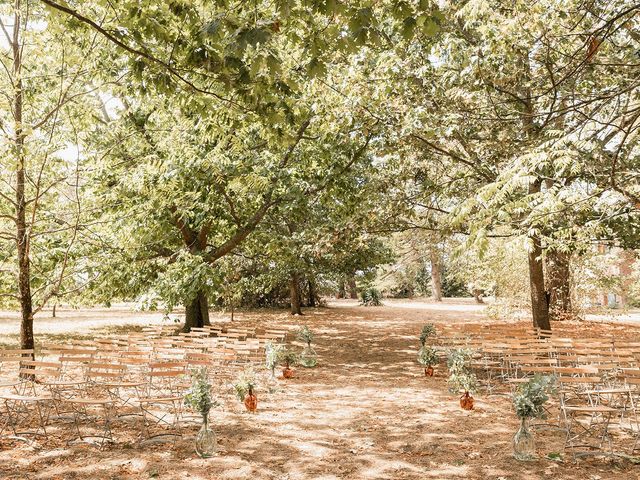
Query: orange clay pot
[[287, 372], [428, 371], [251, 402], [466, 401]]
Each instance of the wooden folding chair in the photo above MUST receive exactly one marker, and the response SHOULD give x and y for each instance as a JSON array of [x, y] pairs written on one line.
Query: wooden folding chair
[[30, 405], [10, 361], [162, 403]]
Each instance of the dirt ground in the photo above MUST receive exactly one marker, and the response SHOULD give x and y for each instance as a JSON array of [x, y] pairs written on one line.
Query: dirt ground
[[366, 412]]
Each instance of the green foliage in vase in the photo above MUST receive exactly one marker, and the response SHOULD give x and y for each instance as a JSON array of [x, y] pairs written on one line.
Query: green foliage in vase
[[428, 356], [429, 330], [246, 383], [461, 378], [198, 397], [529, 399], [287, 358], [272, 352], [305, 335]]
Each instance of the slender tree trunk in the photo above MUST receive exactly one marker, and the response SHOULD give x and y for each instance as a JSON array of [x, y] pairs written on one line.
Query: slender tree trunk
[[197, 312], [351, 284], [342, 291], [53, 310], [294, 291], [312, 293], [477, 295], [558, 277], [23, 236], [436, 278]]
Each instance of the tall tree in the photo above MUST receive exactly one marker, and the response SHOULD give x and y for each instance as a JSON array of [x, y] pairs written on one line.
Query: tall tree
[[45, 75]]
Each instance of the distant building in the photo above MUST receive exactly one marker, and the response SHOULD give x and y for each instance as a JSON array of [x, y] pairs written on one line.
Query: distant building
[[621, 268]]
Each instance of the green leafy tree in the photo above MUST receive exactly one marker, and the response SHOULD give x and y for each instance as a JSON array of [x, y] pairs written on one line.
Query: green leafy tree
[[50, 97]]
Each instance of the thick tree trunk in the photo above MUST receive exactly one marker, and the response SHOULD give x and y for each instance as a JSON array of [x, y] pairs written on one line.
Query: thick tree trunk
[[558, 277], [312, 293], [539, 298], [294, 292], [342, 291], [197, 312], [436, 278], [353, 289]]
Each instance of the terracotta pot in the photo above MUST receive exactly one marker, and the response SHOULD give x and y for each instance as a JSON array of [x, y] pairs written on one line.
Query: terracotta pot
[[428, 371], [287, 372], [251, 402], [466, 401]]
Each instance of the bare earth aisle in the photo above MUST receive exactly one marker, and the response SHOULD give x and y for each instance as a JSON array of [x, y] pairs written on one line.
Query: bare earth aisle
[[366, 412]]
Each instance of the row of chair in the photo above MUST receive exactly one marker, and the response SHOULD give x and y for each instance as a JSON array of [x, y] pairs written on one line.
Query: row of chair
[[597, 396], [118, 377]]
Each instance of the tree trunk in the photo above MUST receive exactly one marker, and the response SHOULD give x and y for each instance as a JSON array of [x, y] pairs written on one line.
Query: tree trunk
[[558, 277], [294, 291], [342, 291], [477, 295], [436, 278], [53, 310], [22, 232], [312, 293], [353, 289], [197, 312], [539, 298]]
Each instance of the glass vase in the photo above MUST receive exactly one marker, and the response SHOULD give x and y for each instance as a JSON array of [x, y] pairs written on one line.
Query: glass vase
[[308, 357], [205, 439], [524, 447]]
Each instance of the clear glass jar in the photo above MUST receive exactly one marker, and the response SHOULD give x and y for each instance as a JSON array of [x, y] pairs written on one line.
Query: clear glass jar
[[270, 360], [308, 357], [206, 439], [524, 447]]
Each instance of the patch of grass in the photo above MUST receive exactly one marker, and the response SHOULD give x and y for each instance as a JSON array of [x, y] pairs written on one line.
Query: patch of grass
[[119, 329], [554, 456]]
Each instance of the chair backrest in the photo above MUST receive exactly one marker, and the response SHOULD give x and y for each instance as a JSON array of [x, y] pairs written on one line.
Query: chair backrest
[[38, 371], [10, 360], [166, 376], [104, 372], [631, 377], [75, 359]]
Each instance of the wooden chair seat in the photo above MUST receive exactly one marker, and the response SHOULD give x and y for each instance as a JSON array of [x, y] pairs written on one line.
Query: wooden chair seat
[[62, 383], [26, 398], [158, 399], [590, 409], [123, 384], [90, 401]]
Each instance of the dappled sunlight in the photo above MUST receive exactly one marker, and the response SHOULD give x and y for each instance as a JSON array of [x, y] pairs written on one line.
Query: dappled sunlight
[[366, 411]]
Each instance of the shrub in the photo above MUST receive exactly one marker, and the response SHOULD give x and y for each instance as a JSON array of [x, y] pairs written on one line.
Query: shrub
[[370, 297]]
